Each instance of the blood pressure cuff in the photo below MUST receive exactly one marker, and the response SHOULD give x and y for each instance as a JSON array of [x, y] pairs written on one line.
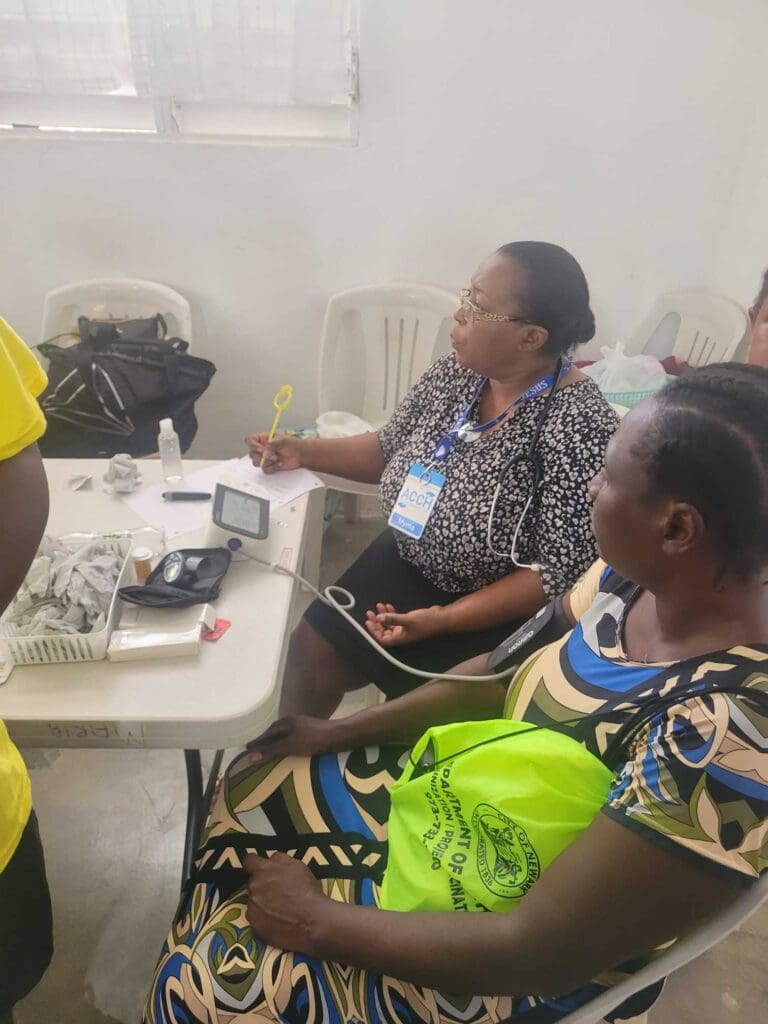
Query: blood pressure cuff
[[185, 577], [544, 628]]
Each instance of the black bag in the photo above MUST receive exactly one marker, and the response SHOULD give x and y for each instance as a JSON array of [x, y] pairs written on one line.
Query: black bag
[[196, 580], [150, 328], [107, 393]]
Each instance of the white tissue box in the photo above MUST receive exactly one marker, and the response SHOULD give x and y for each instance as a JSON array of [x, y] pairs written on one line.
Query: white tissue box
[[159, 632]]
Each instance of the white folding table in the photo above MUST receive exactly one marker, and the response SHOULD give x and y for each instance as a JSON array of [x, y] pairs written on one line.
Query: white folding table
[[221, 698]]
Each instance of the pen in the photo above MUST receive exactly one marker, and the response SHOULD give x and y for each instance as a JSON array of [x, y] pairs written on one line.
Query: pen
[[281, 401], [186, 495]]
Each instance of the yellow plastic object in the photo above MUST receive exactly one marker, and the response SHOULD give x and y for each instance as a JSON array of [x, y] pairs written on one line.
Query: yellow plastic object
[[281, 401]]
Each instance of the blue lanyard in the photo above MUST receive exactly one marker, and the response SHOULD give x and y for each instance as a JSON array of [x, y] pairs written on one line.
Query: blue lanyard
[[468, 432]]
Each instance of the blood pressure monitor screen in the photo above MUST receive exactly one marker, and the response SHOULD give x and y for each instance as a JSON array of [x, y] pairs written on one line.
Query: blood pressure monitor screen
[[241, 512]]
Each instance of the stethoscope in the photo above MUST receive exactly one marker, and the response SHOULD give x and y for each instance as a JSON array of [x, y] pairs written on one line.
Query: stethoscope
[[469, 432]]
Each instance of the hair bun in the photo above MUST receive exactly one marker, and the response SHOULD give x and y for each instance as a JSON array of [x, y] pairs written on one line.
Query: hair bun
[[555, 293], [585, 329]]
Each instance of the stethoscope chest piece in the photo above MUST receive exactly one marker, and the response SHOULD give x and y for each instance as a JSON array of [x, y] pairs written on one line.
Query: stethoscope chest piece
[[174, 567]]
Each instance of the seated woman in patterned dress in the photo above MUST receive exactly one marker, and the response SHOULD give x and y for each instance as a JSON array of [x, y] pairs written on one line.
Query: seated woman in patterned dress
[[680, 514], [447, 596]]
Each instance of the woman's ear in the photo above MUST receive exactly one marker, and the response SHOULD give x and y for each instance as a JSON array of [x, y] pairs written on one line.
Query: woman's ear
[[534, 338], [684, 529]]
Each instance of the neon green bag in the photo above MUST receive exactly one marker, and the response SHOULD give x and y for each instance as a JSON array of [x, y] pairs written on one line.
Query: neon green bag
[[481, 810]]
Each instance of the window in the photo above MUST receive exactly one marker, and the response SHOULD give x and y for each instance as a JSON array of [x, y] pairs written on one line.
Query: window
[[216, 69]]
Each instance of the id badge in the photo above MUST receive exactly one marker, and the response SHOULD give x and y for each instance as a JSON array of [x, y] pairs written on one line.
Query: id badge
[[416, 500]]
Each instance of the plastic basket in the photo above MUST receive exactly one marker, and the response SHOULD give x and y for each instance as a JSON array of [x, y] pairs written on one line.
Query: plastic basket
[[630, 398], [52, 650]]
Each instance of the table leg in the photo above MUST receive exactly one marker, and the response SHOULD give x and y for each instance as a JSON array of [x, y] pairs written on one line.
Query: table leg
[[198, 803], [313, 537], [194, 809]]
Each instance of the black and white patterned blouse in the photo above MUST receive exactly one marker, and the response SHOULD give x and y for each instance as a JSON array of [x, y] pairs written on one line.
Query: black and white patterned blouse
[[452, 552]]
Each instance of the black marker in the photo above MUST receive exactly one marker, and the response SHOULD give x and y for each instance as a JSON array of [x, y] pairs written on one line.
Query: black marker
[[186, 495]]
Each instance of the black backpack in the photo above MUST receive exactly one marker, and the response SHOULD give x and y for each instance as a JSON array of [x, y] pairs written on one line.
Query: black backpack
[[107, 393]]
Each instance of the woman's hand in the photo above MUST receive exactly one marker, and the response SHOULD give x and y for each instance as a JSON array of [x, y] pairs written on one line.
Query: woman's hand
[[391, 629], [284, 901], [281, 453], [299, 735]]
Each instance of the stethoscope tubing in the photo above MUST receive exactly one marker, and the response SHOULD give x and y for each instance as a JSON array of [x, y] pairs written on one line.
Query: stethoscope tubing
[[532, 458]]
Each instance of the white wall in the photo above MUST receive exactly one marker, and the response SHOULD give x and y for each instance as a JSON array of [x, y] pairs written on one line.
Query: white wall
[[742, 254], [612, 127]]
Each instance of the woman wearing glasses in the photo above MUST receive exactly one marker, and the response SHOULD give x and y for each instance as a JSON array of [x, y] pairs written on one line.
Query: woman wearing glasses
[[483, 470]]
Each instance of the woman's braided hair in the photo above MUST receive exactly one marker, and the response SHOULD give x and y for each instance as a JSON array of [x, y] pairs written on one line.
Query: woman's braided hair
[[708, 446]]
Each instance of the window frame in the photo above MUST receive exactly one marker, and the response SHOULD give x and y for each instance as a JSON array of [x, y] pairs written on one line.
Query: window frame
[[164, 119]]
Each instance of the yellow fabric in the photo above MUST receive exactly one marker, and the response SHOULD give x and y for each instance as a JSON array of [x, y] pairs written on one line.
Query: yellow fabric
[[21, 424], [21, 380], [585, 590], [15, 797]]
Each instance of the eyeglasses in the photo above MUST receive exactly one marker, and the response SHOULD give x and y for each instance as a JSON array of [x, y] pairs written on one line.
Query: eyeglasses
[[473, 313]]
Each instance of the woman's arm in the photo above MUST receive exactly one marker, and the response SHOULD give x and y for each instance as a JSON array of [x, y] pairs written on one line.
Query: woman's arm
[[362, 457], [23, 515], [510, 599], [402, 720], [354, 458], [513, 597], [611, 896], [438, 702]]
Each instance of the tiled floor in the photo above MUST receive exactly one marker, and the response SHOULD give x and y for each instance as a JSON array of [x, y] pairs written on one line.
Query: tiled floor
[[113, 825]]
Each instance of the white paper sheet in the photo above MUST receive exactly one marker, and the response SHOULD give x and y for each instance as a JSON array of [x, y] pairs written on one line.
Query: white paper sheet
[[178, 517], [281, 487], [173, 517]]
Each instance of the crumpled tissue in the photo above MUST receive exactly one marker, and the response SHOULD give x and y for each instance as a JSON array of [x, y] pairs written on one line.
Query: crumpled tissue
[[122, 476], [67, 590]]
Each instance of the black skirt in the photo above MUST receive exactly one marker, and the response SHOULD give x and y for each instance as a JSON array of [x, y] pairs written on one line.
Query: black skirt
[[380, 574], [26, 926]]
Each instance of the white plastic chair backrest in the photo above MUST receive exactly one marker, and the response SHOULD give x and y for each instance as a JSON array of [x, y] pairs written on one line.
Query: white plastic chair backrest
[[677, 956], [114, 298], [696, 327], [377, 341]]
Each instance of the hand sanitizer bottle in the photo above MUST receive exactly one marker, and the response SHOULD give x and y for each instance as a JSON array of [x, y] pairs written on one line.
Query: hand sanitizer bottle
[[170, 453]]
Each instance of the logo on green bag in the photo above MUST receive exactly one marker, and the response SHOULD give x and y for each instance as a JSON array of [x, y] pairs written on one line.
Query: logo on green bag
[[506, 860]]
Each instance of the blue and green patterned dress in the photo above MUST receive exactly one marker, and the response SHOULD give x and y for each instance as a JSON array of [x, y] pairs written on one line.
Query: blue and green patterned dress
[[696, 782]]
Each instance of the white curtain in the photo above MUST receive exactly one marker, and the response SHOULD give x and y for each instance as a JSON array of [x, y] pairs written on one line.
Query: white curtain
[[265, 52], [65, 47]]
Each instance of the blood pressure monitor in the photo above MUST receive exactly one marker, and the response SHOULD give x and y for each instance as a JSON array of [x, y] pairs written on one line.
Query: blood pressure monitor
[[240, 515]]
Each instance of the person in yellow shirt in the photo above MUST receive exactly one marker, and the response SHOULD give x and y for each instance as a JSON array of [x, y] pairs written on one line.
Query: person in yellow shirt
[[26, 931]]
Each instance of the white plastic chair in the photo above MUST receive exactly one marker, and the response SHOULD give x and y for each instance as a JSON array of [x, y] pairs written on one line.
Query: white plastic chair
[[377, 341], [113, 298], [687, 949], [696, 327]]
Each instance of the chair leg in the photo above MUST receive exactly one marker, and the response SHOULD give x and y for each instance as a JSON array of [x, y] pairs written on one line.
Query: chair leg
[[313, 542], [352, 508]]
